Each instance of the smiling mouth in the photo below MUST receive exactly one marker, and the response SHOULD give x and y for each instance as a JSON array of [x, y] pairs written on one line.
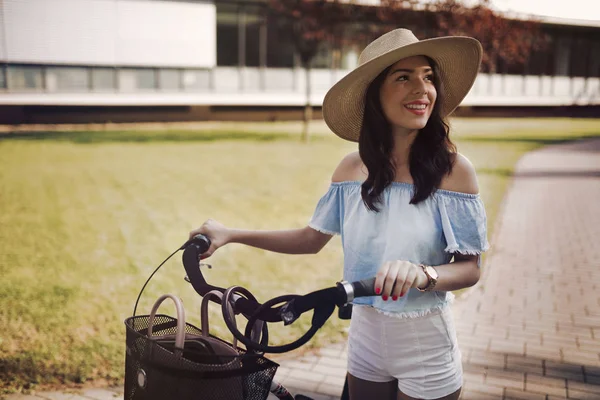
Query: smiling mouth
[[416, 106], [418, 109]]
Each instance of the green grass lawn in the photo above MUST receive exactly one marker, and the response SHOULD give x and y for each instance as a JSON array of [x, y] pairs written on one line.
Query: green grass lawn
[[87, 216]]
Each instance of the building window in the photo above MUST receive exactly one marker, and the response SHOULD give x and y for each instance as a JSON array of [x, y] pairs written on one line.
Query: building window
[[169, 79], [540, 63], [595, 59], [580, 57], [146, 79], [253, 25], [227, 35], [323, 58], [280, 47], [196, 79], [562, 55], [67, 79], [2, 77], [137, 79], [104, 79], [25, 77]]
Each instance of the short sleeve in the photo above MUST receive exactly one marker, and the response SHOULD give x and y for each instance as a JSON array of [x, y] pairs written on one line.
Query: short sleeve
[[326, 218], [464, 224]]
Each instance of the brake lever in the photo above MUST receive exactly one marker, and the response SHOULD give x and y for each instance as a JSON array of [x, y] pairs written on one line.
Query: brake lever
[[187, 279]]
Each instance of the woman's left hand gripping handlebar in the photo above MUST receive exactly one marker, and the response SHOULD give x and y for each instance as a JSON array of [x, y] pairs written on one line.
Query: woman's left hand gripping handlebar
[[218, 234], [395, 278]]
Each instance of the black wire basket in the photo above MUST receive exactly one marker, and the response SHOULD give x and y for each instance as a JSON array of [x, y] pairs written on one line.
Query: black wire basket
[[204, 367]]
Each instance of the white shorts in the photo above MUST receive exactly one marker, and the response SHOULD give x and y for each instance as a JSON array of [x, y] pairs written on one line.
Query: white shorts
[[421, 353]]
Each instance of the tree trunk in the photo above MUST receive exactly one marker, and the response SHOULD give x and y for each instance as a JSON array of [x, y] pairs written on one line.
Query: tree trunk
[[307, 106]]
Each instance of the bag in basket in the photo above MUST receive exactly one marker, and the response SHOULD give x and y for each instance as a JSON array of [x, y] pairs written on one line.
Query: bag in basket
[[168, 358]]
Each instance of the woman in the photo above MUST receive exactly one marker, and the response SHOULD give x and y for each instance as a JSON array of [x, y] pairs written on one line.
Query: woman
[[408, 209]]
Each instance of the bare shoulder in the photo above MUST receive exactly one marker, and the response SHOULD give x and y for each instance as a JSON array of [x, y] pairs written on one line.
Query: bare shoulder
[[349, 169], [462, 178]]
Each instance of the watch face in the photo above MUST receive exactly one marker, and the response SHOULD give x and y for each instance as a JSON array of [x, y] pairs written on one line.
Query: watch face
[[432, 272]]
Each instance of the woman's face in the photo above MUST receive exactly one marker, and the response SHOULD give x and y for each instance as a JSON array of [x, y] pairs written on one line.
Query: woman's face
[[408, 94]]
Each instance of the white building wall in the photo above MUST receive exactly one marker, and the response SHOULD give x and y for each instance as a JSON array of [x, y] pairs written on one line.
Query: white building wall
[[2, 35], [109, 32], [182, 34]]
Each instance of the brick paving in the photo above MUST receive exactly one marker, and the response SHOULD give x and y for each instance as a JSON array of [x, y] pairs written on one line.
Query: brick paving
[[530, 329]]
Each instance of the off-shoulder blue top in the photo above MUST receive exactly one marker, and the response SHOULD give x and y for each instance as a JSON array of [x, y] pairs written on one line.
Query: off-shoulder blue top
[[430, 232]]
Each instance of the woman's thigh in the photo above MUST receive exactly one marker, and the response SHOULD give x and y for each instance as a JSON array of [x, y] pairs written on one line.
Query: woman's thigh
[[360, 389], [453, 396]]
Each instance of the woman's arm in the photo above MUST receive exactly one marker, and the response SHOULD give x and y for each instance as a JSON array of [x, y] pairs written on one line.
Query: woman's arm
[[294, 241], [395, 278], [463, 272]]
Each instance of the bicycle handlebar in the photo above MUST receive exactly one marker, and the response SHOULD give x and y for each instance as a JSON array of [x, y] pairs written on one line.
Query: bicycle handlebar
[[322, 301]]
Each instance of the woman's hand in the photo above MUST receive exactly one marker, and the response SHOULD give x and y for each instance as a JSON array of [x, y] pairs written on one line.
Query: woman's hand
[[218, 234], [394, 278]]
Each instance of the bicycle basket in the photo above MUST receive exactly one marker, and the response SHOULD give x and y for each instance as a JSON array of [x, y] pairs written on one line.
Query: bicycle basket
[[206, 367]]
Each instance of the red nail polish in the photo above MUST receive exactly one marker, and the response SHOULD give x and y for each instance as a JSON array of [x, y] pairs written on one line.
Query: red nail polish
[[377, 290], [384, 298], [394, 298]]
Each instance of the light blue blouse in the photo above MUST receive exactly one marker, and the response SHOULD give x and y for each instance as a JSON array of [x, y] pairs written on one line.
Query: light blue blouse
[[429, 232]]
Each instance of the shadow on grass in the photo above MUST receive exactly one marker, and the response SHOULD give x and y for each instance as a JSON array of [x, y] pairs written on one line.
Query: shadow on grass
[[93, 137], [535, 140]]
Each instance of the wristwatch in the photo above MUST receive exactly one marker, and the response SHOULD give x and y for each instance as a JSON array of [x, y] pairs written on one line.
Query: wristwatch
[[432, 276]]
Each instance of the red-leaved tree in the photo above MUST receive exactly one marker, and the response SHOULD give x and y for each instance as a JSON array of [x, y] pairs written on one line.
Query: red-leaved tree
[[311, 23], [345, 22], [505, 40]]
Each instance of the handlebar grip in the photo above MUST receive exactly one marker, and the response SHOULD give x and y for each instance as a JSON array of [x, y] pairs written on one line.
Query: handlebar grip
[[364, 288], [201, 242]]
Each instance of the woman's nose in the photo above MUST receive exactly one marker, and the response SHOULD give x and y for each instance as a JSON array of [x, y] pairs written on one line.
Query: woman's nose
[[419, 86]]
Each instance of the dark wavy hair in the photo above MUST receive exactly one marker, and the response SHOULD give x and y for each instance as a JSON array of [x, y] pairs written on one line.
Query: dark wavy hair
[[431, 153]]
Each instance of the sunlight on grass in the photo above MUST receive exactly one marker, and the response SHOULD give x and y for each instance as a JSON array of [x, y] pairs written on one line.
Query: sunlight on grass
[[86, 217]]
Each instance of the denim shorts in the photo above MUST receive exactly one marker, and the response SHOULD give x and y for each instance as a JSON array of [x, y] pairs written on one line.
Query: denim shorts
[[420, 352]]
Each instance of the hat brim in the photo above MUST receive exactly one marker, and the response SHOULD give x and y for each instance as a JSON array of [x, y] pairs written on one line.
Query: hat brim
[[457, 57]]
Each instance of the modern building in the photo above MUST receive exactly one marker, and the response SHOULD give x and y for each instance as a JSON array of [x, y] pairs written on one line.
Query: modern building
[[159, 60]]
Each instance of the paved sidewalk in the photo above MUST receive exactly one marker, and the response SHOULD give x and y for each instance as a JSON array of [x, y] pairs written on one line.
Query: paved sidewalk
[[531, 328]]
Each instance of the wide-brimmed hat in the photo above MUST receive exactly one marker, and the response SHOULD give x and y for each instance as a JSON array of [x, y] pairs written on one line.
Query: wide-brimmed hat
[[458, 59]]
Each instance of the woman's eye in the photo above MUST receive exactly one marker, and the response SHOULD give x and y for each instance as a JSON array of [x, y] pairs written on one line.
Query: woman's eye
[[402, 78], [429, 77]]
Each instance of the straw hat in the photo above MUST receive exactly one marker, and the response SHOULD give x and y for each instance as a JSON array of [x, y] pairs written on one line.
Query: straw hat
[[457, 57]]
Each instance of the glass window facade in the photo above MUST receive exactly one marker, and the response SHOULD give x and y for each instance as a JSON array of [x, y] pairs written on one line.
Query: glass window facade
[[104, 79], [594, 62], [169, 79], [25, 77], [67, 79], [146, 79], [137, 79], [324, 56], [280, 47], [254, 28], [580, 57], [2, 77], [196, 80], [228, 37], [247, 35]]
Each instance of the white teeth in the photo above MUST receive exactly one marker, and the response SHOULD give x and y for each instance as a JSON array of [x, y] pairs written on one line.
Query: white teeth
[[416, 106]]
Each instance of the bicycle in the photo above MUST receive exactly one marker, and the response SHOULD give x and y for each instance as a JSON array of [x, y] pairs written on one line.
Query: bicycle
[[236, 300]]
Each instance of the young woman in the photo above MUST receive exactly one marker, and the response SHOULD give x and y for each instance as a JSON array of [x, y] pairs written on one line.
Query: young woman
[[408, 209]]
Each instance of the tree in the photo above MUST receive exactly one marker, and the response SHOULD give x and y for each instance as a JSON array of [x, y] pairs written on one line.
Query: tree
[[313, 23], [505, 40]]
